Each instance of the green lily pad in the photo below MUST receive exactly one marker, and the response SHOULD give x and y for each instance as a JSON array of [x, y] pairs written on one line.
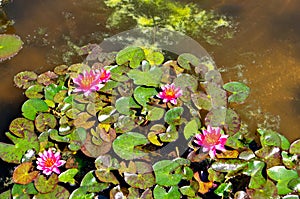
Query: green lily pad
[[124, 105], [77, 138], [22, 191], [154, 58], [191, 129], [188, 191], [6, 194], [268, 190], [104, 175], [186, 59], [155, 114], [202, 101], [25, 79], [124, 145], [47, 78], [173, 115], [295, 147], [231, 166], [154, 131], [19, 125], [283, 176], [51, 90], [10, 45], [161, 193], [124, 124], [106, 113], [59, 192], [142, 94], [34, 91], [170, 135], [44, 185], [289, 160], [135, 193], [271, 155], [141, 181], [44, 121], [254, 170], [149, 78], [68, 176], [61, 69], [217, 95], [214, 76], [223, 189], [13, 153], [81, 193], [186, 82], [33, 106], [269, 138], [91, 184], [107, 162], [216, 117], [22, 174], [131, 54], [239, 91], [294, 184]]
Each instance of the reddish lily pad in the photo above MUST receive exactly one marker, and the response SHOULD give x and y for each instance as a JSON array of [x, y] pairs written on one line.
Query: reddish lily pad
[[61, 69], [10, 45], [186, 82], [22, 174], [44, 185], [268, 190], [214, 76], [94, 150], [44, 121], [84, 120], [135, 193], [141, 181], [271, 155], [19, 125], [47, 78], [25, 79], [59, 192]]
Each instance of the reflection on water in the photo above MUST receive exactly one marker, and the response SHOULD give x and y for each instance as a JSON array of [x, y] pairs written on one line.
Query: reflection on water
[[263, 53]]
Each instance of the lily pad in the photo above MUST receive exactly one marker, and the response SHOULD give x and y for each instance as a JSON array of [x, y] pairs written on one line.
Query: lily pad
[[34, 91], [214, 76], [239, 91], [10, 45], [124, 145], [295, 147], [124, 105], [131, 54], [91, 184], [25, 79], [19, 125], [161, 193], [22, 174], [269, 190], [149, 78], [44, 121], [173, 116], [33, 106], [187, 59], [141, 181], [68, 176], [155, 114], [255, 169], [22, 191], [155, 58], [135, 193], [44, 185], [142, 94], [191, 129], [59, 192], [47, 78], [186, 82], [202, 101], [271, 155]]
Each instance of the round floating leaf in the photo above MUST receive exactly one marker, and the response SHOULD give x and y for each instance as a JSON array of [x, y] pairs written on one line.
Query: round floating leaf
[[269, 190], [186, 82], [271, 155], [59, 192], [216, 117], [154, 131], [255, 169], [283, 176], [155, 114], [44, 185], [285, 143], [5, 194], [185, 59], [270, 138], [84, 120], [170, 135], [142, 94], [89, 148], [233, 122], [51, 90], [34, 91], [154, 58], [104, 175], [202, 101], [81, 193], [106, 162], [149, 78], [188, 191], [124, 145], [131, 54], [91, 184], [218, 95], [61, 69], [77, 138], [214, 76], [124, 105], [9, 46], [229, 165], [239, 91], [22, 191], [47, 78], [68, 176], [19, 125], [106, 113], [44, 121], [33, 106], [161, 193], [295, 147], [164, 173], [172, 116], [22, 174], [135, 193], [25, 79], [141, 181], [191, 129]]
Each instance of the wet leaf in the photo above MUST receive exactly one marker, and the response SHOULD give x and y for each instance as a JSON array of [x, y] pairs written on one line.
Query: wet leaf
[[223, 189], [186, 82], [124, 105], [231, 166], [25, 79], [269, 138], [44, 185], [84, 120], [33, 106], [34, 91], [81, 193], [164, 170], [170, 135], [289, 160], [22, 174], [23, 191], [294, 184], [155, 114], [217, 95], [149, 78], [142, 94], [269, 190], [13, 153], [91, 184], [59, 192], [295, 147], [228, 154], [68, 176], [5, 194], [141, 181], [47, 78], [173, 115], [187, 59], [124, 145], [44, 121], [202, 101], [133, 55], [51, 90], [285, 143], [124, 124], [19, 125], [154, 57], [271, 155], [104, 175], [161, 193], [135, 193], [214, 76], [191, 129], [239, 91], [107, 162], [106, 113], [255, 169], [283, 176], [187, 191], [10, 45], [154, 131]]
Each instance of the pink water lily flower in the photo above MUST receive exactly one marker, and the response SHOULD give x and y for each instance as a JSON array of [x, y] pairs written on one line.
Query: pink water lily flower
[[211, 140], [104, 75], [49, 162], [170, 93], [88, 82]]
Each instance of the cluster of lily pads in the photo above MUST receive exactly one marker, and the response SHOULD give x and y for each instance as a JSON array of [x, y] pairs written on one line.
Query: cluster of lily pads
[[132, 124]]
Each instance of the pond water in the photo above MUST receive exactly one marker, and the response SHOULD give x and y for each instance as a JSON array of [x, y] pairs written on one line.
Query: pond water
[[264, 52]]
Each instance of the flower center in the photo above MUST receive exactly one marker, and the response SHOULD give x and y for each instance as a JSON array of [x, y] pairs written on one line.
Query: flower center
[[87, 81], [170, 93], [49, 162], [212, 139]]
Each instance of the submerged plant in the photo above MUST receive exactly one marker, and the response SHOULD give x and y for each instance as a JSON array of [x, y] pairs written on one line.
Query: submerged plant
[[114, 137]]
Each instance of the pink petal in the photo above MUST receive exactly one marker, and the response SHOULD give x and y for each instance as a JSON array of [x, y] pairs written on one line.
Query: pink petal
[[56, 170], [212, 153]]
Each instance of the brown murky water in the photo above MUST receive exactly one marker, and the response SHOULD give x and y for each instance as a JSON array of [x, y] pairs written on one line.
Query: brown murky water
[[264, 52]]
